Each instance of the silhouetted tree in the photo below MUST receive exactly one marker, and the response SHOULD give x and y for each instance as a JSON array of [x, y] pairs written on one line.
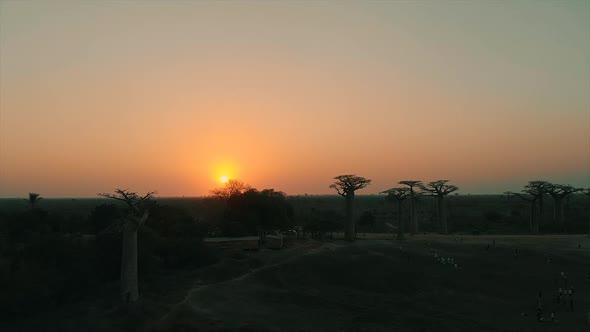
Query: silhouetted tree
[[587, 193], [34, 198], [345, 186], [440, 189], [414, 222], [540, 187], [559, 192], [230, 189], [137, 214], [531, 194], [398, 195], [507, 195]]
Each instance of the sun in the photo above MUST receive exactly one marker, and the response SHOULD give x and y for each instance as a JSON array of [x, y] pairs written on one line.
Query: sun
[[224, 179]]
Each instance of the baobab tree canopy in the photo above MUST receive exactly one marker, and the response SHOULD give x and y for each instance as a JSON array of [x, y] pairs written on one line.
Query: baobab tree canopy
[[411, 183], [439, 188], [347, 184], [561, 190], [398, 193], [538, 186], [137, 204]]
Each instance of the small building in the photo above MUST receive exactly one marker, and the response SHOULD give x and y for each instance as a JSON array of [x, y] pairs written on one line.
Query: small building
[[274, 241], [244, 242]]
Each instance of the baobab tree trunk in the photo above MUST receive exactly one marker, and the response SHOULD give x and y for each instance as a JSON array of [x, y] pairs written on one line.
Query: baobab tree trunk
[[400, 222], [508, 206], [129, 281], [350, 229], [413, 221], [442, 220], [557, 212], [541, 215], [534, 225]]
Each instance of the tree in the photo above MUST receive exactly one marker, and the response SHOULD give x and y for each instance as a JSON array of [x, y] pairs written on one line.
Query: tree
[[399, 195], [137, 214], [34, 198], [559, 192], [587, 193], [507, 195], [539, 187], [532, 192], [232, 188], [345, 186], [440, 189], [414, 222]]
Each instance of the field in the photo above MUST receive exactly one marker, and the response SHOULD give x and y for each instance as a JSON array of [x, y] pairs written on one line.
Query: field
[[369, 285]]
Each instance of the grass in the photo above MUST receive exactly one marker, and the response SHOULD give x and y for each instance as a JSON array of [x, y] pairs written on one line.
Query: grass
[[369, 285]]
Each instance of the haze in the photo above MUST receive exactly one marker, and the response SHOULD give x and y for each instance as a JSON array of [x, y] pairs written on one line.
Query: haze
[[172, 95]]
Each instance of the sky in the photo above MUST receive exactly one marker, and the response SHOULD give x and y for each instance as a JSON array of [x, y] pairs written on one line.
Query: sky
[[173, 95]]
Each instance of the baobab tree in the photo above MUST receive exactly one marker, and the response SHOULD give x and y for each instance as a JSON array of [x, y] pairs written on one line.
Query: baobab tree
[[587, 193], [137, 214], [398, 195], [414, 222], [531, 194], [559, 192], [345, 186], [540, 187], [507, 195], [34, 198], [440, 189]]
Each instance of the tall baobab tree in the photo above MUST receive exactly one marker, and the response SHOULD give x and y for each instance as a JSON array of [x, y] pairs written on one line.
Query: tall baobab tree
[[399, 195], [507, 195], [137, 214], [414, 222], [440, 189], [531, 194], [346, 185], [540, 187], [559, 192], [34, 198], [587, 193]]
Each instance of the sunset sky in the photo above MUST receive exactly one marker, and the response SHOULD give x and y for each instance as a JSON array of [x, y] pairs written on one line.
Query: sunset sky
[[173, 95]]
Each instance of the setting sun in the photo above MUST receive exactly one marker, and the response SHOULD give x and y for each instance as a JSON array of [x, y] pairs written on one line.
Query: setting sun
[[224, 179]]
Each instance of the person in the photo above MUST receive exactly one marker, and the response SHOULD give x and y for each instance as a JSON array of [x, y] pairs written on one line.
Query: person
[[552, 317]]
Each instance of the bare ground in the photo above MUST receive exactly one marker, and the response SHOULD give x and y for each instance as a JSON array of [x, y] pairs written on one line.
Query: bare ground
[[372, 285]]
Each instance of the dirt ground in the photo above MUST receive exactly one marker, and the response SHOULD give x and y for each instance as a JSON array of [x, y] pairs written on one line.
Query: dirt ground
[[374, 285], [369, 285]]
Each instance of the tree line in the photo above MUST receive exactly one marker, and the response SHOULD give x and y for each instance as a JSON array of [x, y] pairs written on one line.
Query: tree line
[[534, 193]]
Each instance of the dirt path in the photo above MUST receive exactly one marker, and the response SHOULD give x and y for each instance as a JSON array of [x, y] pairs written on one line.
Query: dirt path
[[372, 285]]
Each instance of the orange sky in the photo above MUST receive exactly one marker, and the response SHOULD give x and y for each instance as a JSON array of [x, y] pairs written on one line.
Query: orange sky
[[172, 95]]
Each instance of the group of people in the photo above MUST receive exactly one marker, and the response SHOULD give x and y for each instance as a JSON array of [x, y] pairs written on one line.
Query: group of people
[[563, 297], [447, 261]]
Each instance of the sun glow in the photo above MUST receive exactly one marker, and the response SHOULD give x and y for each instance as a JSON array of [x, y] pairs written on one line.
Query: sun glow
[[224, 179]]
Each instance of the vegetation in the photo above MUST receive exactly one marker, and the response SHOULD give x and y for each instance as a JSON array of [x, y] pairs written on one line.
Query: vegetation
[[136, 214], [398, 195], [346, 186], [63, 252], [440, 189], [414, 222]]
